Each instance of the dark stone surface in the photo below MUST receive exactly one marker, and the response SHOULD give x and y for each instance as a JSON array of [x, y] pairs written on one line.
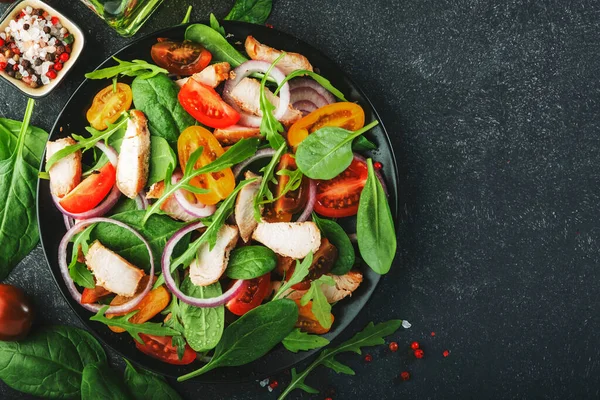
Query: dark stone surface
[[493, 110]]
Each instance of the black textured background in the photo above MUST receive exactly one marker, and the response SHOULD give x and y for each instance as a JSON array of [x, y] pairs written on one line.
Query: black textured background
[[492, 108]]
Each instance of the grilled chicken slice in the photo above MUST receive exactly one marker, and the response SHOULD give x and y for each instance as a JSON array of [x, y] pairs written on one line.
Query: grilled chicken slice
[[170, 206], [66, 173], [290, 239], [344, 286], [112, 271], [289, 63], [209, 265], [234, 133], [134, 157], [211, 76], [246, 96], [244, 207]]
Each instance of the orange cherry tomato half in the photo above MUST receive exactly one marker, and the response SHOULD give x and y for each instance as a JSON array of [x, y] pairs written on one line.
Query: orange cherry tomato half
[[180, 58], [204, 104], [160, 347], [108, 105], [349, 116], [91, 191], [91, 296], [251, 295], [307, 322], [221, 183], [339, 197]]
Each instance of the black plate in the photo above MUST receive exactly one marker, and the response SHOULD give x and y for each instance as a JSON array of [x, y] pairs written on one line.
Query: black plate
[[72, 120]]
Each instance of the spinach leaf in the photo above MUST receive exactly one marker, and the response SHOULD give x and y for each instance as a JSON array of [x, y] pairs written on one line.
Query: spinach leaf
[[139, 68], [361, 143], [21, 148], [320, 80], [203, 327], [253, 11], [338, 237], [252, 336], [148, 328], [99, 382], [250, 262], [214, 23], [372, 335], [327, 152], [188, 14], [145, 385], [156, 231], [320, 306], [157, 98], [264, 191], [124, 204], [300, 272], [270, 127], [212, 41], [375, 230], [301, 341], [161, 156], [50, 362]]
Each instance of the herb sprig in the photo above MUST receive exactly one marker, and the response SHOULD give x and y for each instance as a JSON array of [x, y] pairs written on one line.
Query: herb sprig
[[269, 125], [268, 173], [300, 272], [320, 80], [139, 68], [320, 306], [297, 341]]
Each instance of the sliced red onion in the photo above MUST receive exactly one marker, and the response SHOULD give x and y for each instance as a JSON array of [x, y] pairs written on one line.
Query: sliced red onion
[[305, 106], [249, 68], [110, 152], [69, 222], [197, 209], [306, 93], [377, 173], [310, 203], [307, 82], [262, 153], [64, 268], [141, 201], [170, 282]]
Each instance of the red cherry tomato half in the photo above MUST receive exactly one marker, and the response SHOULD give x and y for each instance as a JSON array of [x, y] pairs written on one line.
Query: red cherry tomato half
[[160, 347], [16, 313], [91, 191], [204, 104], [338, 197], [251, 294], [180, 58]]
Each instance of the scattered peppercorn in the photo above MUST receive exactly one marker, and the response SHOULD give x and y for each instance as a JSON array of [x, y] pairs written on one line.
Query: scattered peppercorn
[[273, 384], [368, 358], [26, 26], [51, 74], [419, 353], [64, 57], [405, 375], [446, 353], [58, 66], [393, 347], [432, 333], [414, 345], [2, 42]]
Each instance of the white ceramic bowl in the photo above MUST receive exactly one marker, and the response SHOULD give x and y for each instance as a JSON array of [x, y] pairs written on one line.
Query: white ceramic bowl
[[76, 48]]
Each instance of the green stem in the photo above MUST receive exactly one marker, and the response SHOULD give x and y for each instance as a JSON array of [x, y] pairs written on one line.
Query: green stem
[[186, 19]]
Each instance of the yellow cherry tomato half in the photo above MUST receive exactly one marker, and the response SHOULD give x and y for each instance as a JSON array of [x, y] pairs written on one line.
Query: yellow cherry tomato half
[[108, 105], [349, 116], [221, 183]]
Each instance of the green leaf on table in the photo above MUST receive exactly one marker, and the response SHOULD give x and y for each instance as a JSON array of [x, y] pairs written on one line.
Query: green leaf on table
[[252, 11], [301, 341], [146, 385], [101, 382]]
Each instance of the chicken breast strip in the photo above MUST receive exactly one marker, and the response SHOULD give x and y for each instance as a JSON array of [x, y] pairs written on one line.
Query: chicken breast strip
[[244, 207], [170, 206], [290, 239], [235, 133], [134, 157], [289, 63], [344, 286], [211, 76], [209, 265], [65, 174], [112, 271]]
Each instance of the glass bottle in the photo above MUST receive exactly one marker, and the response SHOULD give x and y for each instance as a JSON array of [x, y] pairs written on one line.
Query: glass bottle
[[124, 16]]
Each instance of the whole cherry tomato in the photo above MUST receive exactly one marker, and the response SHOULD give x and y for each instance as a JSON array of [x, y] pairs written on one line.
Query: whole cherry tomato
[[16, 313]]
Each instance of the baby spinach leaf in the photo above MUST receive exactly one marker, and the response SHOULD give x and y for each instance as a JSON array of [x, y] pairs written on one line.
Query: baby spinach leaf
[[212, 40], [214, 23], [270, 127], [100, 382], [252, 336], [327, 152], [250, 262], [161, 156], [50, 362], [203, 327], [300, 272], [375, 230], [301, 341], [157, 98], [320, 306], [253, 11], [361, 143], [320, 80], [156, 231], [139, 68], [338, 237], [145, 385], [21, 148]]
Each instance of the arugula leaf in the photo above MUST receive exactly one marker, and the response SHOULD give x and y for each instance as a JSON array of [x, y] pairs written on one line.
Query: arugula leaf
[[264, 190], [375, 232], [149, 328], [249, 262], [218, 46], [361, 143], [300, 272], [339, 238], [237, 153], [293, 183], [327, 152], [146, 385], [301, 341], [270, 127], [84, 143], [214, 23], [98, 381], [188, 14], [372, 335], [253, 11], [320, 306], [175, 323], [139, 68], [320, 80], [78, 271]]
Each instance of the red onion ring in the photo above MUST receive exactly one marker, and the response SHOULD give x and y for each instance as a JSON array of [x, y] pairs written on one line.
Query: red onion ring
[[305, 106], [197, 210], [64, 268], [307, 82], [308, 94], [310, 203], [249, 68], [141, 201], [69, 222], [172, 286], [377, 173], [262, 153]]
